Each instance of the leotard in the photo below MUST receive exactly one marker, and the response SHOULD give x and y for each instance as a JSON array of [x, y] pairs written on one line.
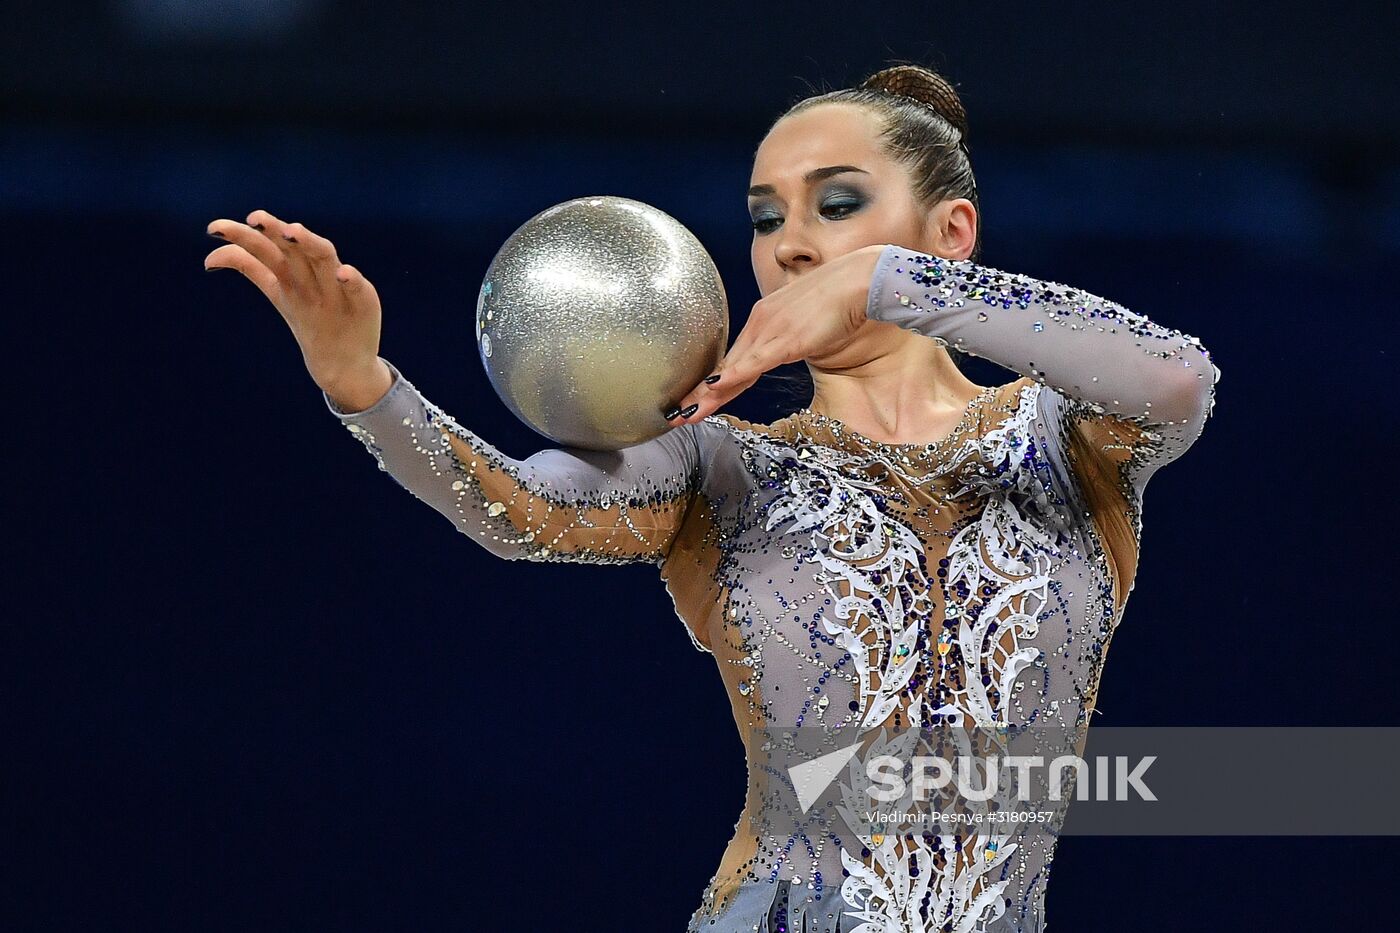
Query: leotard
[[844, 584]]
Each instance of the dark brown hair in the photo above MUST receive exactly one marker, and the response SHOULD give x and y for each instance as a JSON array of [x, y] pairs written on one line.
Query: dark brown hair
[[925, 127]]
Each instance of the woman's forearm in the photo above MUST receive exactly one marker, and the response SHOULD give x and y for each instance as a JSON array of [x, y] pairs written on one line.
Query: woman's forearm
[[1088, 348], [559, 504]]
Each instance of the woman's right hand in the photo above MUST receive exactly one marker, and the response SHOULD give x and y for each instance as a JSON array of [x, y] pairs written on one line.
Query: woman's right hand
[[332, 309]]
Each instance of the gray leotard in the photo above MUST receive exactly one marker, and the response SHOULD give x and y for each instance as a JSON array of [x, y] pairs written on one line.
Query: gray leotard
[[844, 584]]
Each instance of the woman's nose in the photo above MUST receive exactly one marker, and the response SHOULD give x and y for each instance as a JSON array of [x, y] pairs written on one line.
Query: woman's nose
[[793, 247]]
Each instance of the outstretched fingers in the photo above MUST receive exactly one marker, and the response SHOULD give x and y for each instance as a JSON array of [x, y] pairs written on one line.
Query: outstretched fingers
[[729, 378], [297, 273], [735, 374], [296, 269]]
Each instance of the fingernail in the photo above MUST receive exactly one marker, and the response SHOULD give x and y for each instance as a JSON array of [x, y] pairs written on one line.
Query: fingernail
[[217, 234], [671, 412], [711, 380], [690, 410], [212, 268], [257, 226], [289, 238]]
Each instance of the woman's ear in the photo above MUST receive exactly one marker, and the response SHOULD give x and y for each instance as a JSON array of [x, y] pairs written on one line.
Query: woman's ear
[[952, 226]]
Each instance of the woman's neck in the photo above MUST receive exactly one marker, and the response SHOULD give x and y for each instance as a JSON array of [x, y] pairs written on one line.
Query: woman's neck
[[906, 396]]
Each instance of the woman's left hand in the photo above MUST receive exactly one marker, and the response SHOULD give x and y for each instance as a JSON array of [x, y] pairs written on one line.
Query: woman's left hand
[[810, 317]]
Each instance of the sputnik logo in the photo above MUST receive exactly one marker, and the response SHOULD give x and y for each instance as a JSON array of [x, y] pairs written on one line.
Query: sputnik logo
[[811, 778]]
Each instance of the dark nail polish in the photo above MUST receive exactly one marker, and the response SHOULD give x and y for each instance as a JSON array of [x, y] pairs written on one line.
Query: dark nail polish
[[217, 234], [711, 380], [690, 410], [671, 412], [258, 227], [289, 238]]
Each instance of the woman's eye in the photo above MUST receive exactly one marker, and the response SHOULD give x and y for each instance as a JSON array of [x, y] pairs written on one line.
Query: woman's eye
[[765, 224], [841, 208]]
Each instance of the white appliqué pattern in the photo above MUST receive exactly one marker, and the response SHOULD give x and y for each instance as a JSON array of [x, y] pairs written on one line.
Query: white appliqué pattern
[[999, 568]]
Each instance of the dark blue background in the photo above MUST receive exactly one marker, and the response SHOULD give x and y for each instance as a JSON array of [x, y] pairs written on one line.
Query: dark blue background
[[255, 685]]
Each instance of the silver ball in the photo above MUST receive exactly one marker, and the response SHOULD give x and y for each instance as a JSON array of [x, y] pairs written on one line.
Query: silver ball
[[597, 315]]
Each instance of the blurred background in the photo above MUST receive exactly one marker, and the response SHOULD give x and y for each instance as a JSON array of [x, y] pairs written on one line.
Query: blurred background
[[255, 685]]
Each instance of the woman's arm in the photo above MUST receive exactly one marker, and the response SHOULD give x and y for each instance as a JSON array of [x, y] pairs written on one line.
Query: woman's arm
[[587, 506], [602, 507], [1138, 392]]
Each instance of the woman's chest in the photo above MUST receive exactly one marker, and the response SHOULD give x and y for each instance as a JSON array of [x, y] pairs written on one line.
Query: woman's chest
[[855, 597]]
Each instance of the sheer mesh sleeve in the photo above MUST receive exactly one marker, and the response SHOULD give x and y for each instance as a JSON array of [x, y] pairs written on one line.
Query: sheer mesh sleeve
[[1134, 386], [561, 504]]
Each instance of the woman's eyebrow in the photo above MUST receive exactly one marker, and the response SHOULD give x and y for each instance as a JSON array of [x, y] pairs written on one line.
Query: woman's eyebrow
[[816, 174]]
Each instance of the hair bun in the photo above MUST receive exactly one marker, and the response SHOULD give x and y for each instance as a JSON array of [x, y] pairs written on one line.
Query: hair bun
[[924, 85]]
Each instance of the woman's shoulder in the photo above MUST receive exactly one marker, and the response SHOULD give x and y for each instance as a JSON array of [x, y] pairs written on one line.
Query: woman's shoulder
[[1013, 391], [1007, 399]]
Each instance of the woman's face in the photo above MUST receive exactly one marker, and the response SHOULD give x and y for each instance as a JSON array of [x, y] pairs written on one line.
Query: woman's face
[[822, 187]]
